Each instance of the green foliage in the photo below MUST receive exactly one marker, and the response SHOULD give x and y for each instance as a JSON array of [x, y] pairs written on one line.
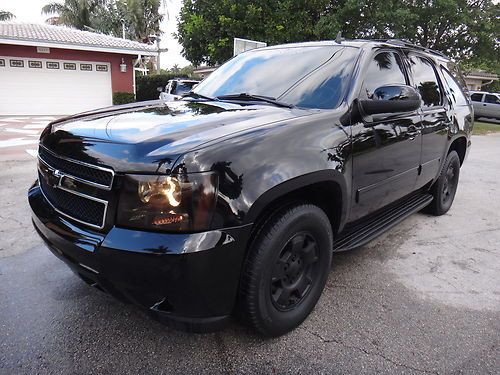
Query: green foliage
[[187, 71], [123, 97], [147, 86], [76, 13], [6, 16], [481, 128], [141, 18], [487, 64], [463, 29]]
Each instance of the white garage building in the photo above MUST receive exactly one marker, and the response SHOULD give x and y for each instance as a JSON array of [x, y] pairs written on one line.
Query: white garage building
[[54, 70]]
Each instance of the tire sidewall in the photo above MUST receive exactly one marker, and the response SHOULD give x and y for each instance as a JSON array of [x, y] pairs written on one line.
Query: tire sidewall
[[308, 219], [452, 158]]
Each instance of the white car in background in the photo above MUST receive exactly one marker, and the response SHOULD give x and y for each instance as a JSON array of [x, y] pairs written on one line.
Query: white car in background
[[486, 104], [175, 88]]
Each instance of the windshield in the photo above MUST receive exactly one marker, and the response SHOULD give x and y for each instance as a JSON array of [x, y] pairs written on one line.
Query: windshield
[[310, 77], [184, 87]]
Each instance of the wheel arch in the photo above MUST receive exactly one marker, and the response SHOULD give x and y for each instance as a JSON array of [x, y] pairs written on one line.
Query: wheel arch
[[459, 145], [326, 189]]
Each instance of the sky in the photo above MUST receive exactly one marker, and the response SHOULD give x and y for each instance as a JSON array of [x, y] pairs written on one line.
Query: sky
[[30, 11]]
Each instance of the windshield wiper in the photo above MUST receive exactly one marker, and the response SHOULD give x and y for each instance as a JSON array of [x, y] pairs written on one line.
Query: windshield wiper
[[195, 95], [260, 98]]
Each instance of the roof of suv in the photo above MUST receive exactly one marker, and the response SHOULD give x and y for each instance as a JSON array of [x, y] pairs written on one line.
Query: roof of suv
[[484, 92], [365, 43], [184, 80]]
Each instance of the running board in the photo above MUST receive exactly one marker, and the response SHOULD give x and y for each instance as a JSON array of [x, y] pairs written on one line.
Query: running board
[[361, 232]]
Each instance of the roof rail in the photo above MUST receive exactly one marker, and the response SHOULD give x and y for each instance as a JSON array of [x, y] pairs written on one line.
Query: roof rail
[[406, 43]]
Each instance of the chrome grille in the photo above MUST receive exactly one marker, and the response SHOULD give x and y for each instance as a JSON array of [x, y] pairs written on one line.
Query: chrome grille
[[78, 208], [80, 171], [63, 185]]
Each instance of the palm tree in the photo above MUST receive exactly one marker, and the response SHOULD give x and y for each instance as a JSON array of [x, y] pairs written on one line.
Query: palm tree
[[5, 16], [75, 13], [141, 17]]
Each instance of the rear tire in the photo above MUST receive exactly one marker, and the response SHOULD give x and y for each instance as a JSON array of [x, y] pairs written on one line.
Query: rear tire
[[445, 188], [286, 269]]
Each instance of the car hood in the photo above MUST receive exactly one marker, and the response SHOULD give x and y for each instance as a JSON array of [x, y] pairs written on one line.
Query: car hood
[[151, 136]]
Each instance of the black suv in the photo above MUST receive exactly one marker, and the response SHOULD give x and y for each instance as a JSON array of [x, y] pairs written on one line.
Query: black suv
[[232, 200]]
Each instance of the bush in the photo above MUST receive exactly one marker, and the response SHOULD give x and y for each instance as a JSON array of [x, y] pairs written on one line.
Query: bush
[[147, 86], [123, 97]]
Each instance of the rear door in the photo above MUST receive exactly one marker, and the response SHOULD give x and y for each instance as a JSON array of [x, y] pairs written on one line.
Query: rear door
[[386, 148], [436, 119]]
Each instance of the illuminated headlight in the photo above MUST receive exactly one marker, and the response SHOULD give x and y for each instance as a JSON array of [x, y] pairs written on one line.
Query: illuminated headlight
[[168, 189], [168, 203]]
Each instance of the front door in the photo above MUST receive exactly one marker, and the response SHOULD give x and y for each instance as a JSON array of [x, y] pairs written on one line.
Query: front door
[[386, 148]]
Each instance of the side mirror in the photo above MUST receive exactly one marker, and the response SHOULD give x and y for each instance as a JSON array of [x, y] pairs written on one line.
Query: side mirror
[[391, 99], [160, 89]]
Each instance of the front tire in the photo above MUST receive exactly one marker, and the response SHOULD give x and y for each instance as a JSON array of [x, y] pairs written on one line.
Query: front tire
[[286, 269], [445, 188]]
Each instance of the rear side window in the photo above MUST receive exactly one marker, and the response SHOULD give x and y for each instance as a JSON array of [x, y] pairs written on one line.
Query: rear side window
[[476, 97], [492, 99], [457, 74], [425, 80], [456, 93], [385, 68]]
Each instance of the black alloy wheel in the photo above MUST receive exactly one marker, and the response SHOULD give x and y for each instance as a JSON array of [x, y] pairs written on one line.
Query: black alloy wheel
[[294, 271], [445, 188], [286, 269], [450, 184]]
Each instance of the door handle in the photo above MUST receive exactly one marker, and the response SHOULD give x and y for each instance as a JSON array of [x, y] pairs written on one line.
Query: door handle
[[412, 132]]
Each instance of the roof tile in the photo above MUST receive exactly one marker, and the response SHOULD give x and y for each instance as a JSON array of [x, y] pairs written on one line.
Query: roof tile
[[66, 35]]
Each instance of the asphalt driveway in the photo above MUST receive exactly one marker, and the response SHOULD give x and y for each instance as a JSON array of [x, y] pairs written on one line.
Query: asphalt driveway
[[423, 298]]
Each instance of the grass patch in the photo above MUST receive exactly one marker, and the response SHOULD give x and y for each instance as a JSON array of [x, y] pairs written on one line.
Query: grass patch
[[481, 128]]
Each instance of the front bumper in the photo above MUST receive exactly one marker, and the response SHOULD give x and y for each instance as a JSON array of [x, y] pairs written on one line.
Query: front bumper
[[188, 281]]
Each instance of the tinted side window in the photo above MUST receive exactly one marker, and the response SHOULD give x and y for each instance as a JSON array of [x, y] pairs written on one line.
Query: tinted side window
[[386, 68], [455, 90], [457, 74], [425, 80], [476, 97], [492, 99]]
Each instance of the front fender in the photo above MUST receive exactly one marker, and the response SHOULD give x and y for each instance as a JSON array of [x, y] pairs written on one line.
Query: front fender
[[259, 165]]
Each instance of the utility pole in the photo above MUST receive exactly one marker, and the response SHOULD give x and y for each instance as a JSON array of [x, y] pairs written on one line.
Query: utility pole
[[159, 53], [123, 28], [157, 39]]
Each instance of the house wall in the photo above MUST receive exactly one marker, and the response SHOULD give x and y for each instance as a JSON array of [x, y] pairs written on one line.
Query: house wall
[[123, 82], [473, 84]]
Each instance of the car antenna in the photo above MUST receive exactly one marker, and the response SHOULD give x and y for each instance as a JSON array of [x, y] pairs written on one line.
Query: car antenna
[[338, 39]]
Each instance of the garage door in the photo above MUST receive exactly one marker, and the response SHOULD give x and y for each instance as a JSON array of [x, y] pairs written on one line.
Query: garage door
[[32, 86]]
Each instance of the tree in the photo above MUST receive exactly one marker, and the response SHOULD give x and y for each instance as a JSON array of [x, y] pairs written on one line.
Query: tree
[[5, 16], [75, 13], [206, 28], [140, 18], [463, 29]]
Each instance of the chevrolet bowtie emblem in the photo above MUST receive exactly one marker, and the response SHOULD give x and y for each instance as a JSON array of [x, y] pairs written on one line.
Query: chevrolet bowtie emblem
[[54, 177]]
